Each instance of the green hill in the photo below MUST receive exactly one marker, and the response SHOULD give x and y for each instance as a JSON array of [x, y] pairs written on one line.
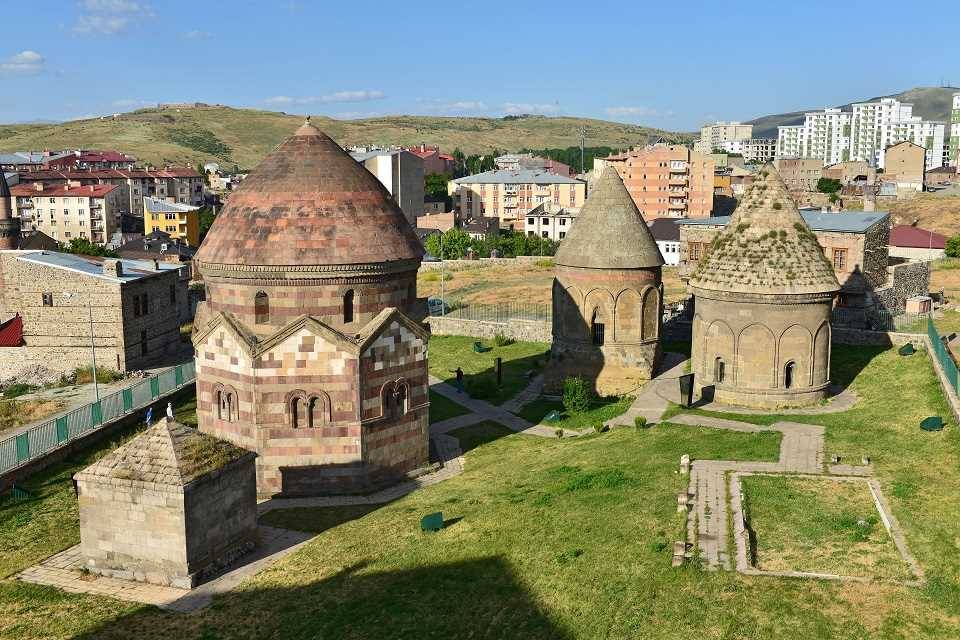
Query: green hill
[[930, 103], [244, 136]]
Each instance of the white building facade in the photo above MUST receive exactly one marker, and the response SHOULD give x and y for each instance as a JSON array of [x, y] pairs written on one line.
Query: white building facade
[[550, 221], [717, 135], [833, 135], [954, 143]]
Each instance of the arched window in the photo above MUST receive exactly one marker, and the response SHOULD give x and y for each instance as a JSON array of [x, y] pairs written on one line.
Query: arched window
[[261, 308], [400, 400], [788, 373], [226, 400], [597, 327], [296, 406], [218, 398], [229, 407], [348, 306], [718, 370]]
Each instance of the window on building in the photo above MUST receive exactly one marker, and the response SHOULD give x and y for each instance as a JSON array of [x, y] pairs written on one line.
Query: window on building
[[788, 373], [530, 221], [544, 221], [695, 250], [563, 222], [840, 259], [597, 328], [47, 299], [545, 234], [563, 234], [348, 306], [261, 308], [718, 370]]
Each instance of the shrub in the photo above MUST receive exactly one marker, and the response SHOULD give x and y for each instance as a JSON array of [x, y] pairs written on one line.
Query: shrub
[[18, 389], [83, 375], [501, 340], [952, 247], [600, 428], [559, 433], [777, 206], [828, 185], [543, 264], [576, 395], [640, 422]]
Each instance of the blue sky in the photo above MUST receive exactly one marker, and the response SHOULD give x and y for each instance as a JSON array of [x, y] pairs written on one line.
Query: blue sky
[[668, 64]]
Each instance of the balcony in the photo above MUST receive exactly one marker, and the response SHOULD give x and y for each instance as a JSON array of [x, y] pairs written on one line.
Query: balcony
[[679, 205], [678, 181]]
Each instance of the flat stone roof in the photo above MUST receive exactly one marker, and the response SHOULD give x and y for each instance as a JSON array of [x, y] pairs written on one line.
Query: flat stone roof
[[92, 266]]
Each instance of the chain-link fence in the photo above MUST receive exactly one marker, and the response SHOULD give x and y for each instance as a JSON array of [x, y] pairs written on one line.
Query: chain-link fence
[[879, 320], [492, 312]]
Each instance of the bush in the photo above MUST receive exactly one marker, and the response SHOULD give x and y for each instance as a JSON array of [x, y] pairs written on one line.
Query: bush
[[952, 247], [543, 264], [84, 375], [501, 340], [18, 389], [640, 422], [576, 395], [601, 428], [828, 185], [559, 433]]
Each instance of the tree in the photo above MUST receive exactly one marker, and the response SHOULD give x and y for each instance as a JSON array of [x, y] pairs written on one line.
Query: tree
[[83, 247], [454, 242], [828, 185], [952, 247], [206, 216], [435, 184]]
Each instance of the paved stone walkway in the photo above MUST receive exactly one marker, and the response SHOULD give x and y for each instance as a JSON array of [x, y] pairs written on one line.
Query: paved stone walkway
[[533, 391], [63, 571], [651, 402], [481, 411], [801, 452]]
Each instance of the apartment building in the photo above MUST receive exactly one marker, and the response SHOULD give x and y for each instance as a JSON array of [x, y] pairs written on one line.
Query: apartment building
[[517, 161], [549, 220], [954, 143], [510, 194], [864, 133], [401, 172], [433, 160], [665, 180], [717, 135], [800, 174], [67, 159], [180, 221], [176, 184], [905, 166], [757, 150], [68, 211]]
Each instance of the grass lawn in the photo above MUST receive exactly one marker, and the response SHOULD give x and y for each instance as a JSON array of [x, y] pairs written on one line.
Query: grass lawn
[[519, 358], [601, 410], [819, 525], [565, 539], [442, 408]]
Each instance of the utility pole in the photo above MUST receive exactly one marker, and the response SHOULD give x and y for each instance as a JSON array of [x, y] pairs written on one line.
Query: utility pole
[[582, 131]]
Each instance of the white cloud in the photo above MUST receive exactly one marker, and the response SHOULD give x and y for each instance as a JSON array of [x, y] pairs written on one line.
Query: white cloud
[[110, 17], [432, 105], [521, 108], [196, 34], [339, 96], [358, 115], [636, 112], [28, 63]]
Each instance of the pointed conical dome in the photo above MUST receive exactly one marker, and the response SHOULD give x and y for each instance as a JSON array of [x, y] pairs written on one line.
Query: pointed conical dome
[[609, 232], [309, 203], [767, 248]]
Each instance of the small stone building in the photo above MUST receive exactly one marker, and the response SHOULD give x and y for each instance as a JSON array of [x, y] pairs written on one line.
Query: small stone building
[[169, 507], [309, 347], [607, 295], [763, 296]]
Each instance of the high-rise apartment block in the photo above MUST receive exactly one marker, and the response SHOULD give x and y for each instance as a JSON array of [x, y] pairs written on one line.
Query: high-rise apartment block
[[665, 180], [954, 143], [864, 133], [714, 136], [510, 194]]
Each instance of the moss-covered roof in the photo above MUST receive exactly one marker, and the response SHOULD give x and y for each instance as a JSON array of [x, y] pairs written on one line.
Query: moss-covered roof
[[610, 232], [168, 453], [766, 248]]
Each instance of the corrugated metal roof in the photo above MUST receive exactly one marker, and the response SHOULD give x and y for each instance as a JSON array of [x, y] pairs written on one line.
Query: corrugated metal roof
[[86, 265], [517, 176], [156, 205], [845, 221]]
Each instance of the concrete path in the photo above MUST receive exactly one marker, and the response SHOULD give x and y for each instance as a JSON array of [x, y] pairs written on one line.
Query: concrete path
[[651, 402], [481, 411], [525, 397]]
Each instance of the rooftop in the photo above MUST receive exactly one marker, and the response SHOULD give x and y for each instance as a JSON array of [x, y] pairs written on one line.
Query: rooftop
[[908, 236], [665, 229], [29, 190], [93, 266], [156, 205], [843, 222], [517, 176]]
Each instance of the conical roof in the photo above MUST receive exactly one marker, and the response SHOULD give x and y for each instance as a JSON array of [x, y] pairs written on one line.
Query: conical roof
[[610, 232], [309, 203], [4, 187], [168, 453], [767, 248]]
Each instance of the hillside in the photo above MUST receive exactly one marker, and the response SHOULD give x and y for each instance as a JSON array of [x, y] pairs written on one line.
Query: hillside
[[930, 103], [244, 136]]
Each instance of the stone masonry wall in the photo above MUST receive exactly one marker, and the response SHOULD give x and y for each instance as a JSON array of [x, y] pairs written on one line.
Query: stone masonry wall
[[906, 280], [525, 330], [454, 265]]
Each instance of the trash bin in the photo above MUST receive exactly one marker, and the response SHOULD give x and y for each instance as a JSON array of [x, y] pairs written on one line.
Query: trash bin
[[686, 390]]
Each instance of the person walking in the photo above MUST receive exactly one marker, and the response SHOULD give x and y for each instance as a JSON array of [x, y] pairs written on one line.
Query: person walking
[[149, 416], [459, 373], [170, 410]]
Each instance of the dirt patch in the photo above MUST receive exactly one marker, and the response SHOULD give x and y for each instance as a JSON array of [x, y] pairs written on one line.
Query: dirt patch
[[16, 413]]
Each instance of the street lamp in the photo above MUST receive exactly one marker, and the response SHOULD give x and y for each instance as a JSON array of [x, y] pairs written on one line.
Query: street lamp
[[93, 349]]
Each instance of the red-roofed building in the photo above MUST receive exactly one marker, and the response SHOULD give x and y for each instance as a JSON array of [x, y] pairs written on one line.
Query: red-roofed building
[[175, 184], [433, 160], [914, 243], [91, 159], [70, 210], [11, 332]]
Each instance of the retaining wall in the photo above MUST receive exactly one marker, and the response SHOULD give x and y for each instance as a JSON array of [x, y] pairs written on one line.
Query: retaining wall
[[526, 330], [453, 265]]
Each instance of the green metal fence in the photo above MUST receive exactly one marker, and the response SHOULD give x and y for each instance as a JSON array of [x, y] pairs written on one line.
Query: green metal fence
[[943, 356], [41, 439]]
